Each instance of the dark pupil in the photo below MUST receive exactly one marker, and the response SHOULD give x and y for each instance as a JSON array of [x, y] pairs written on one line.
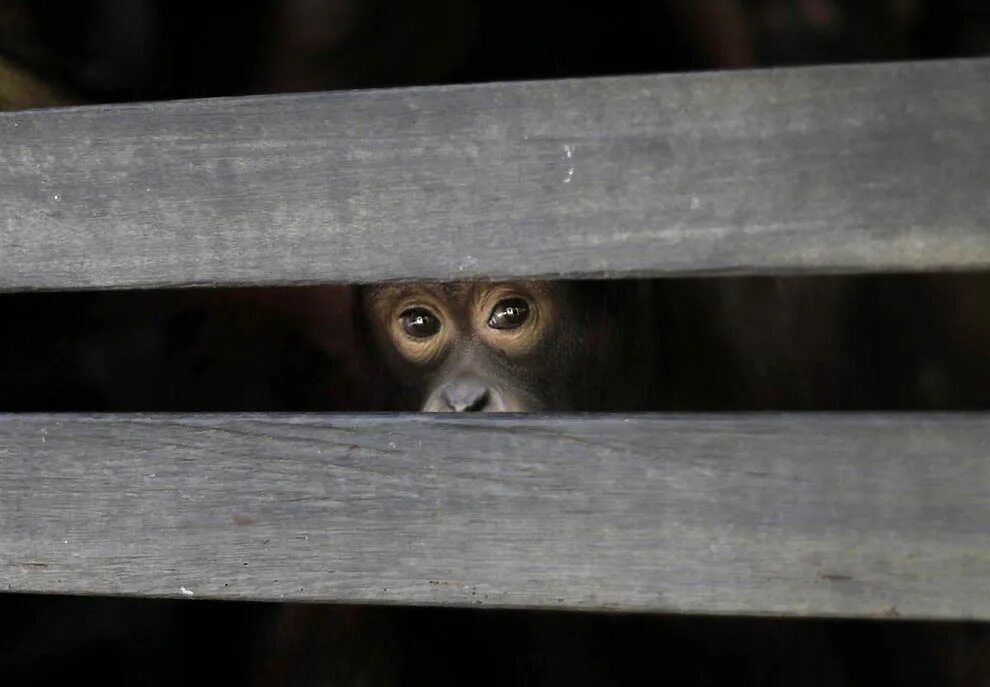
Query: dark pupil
[[419, 323], [509, 314]]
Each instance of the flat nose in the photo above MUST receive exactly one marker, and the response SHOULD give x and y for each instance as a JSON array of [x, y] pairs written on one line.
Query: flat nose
[[465, 396]]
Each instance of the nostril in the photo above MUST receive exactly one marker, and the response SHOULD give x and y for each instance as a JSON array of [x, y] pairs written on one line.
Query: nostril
[[479, 403], [466, 397]]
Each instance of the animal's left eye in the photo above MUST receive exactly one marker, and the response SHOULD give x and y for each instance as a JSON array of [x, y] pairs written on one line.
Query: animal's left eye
[[509, 314], [419, 323]]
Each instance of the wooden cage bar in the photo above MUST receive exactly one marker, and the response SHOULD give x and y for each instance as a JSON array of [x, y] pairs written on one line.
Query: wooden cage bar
[[854, 515], [848, 168]]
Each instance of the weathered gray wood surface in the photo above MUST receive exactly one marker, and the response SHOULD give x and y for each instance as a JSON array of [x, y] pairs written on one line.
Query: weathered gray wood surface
[[820, 169], [853, 515]]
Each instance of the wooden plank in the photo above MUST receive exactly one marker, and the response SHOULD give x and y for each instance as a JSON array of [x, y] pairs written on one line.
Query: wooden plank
[[827, 169], [851, 515]]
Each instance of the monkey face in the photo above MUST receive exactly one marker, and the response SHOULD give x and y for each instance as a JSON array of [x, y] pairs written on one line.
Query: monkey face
[[488, 347]]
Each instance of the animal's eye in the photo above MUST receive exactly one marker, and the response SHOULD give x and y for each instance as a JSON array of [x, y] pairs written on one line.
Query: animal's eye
[[419, 323], [509, 314]]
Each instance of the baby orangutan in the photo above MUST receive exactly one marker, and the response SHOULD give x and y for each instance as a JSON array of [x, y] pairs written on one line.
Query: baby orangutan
[[620, 345], [491, 346]]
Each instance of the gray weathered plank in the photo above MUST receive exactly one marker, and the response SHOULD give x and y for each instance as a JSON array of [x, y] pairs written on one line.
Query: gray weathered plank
[[852, 515], [841, 168]]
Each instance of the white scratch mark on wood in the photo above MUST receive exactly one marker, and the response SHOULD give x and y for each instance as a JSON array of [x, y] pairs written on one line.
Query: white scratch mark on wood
[[468, 262]]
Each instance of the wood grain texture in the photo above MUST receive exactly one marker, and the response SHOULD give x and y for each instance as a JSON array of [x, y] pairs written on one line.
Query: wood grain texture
[[840, 168], [849, 515]]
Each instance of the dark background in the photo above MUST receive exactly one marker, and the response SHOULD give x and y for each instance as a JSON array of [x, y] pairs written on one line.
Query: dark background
[[116, 50]]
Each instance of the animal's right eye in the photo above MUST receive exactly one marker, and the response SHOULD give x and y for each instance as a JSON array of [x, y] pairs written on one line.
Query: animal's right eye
[[509, 313], [419, 323]]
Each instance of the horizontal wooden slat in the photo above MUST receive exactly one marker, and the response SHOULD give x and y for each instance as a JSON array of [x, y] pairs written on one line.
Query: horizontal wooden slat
[[841, 168], [852, 515]]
